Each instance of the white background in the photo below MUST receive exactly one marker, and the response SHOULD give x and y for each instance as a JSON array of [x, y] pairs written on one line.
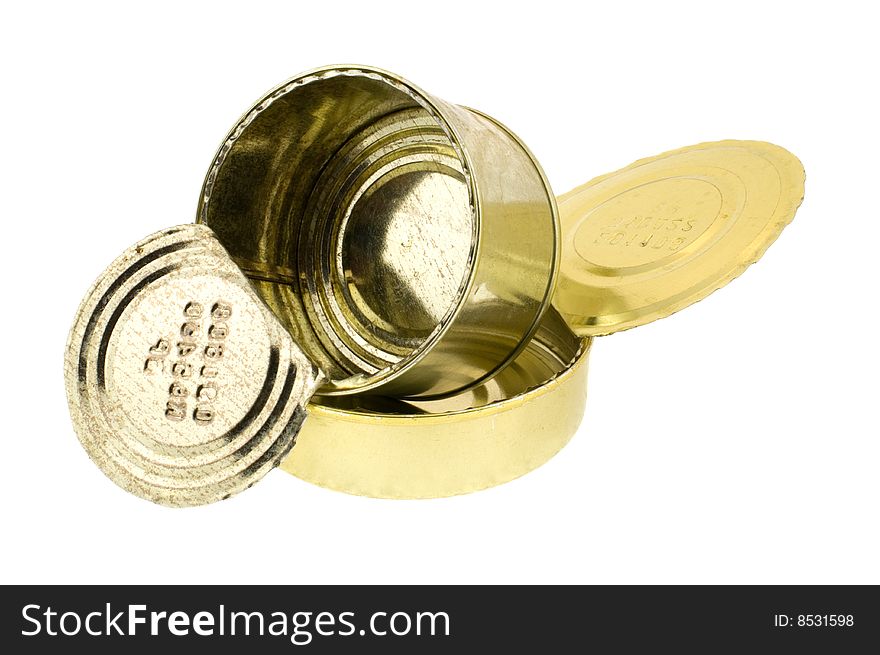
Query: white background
[[734, 442]]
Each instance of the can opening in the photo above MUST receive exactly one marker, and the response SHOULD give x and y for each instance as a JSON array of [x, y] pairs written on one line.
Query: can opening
[[344, 200], [550, 353]]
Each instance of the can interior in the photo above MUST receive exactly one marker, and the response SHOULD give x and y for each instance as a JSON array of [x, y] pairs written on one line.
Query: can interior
[[552, 351], [344, 200]]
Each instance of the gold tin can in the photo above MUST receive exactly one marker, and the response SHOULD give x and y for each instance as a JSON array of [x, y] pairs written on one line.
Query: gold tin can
[[494, 433], [409, 245]]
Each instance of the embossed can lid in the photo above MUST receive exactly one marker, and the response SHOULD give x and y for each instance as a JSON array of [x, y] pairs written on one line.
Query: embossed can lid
[[183, 387], [652, 238]]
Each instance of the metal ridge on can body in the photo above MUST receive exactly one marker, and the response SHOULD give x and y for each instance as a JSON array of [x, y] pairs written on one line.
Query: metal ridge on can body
[[409, 245]]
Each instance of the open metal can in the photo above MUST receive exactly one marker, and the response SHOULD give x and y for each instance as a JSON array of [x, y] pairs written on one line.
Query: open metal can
[[410, 246], [494, 433]]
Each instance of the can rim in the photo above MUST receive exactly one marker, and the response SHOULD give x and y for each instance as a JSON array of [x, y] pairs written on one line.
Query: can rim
[[580, 359]]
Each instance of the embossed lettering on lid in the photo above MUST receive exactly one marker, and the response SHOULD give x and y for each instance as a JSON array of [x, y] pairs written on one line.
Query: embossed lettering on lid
[[183, 387], [652, 238]]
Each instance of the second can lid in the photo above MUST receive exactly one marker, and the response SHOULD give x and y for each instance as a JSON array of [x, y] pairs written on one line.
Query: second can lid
[[652, 238]]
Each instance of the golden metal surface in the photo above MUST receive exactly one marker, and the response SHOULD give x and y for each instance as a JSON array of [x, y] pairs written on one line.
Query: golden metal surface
[[409, 245], [654, 237], [383, 241], [388, 448], [183, 387]]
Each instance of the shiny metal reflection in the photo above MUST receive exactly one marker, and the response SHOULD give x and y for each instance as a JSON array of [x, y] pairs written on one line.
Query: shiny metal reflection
[[409, 245]]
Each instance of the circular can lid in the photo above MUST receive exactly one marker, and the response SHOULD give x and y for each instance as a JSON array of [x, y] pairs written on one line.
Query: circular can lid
[[183, 387], [652, 238]]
